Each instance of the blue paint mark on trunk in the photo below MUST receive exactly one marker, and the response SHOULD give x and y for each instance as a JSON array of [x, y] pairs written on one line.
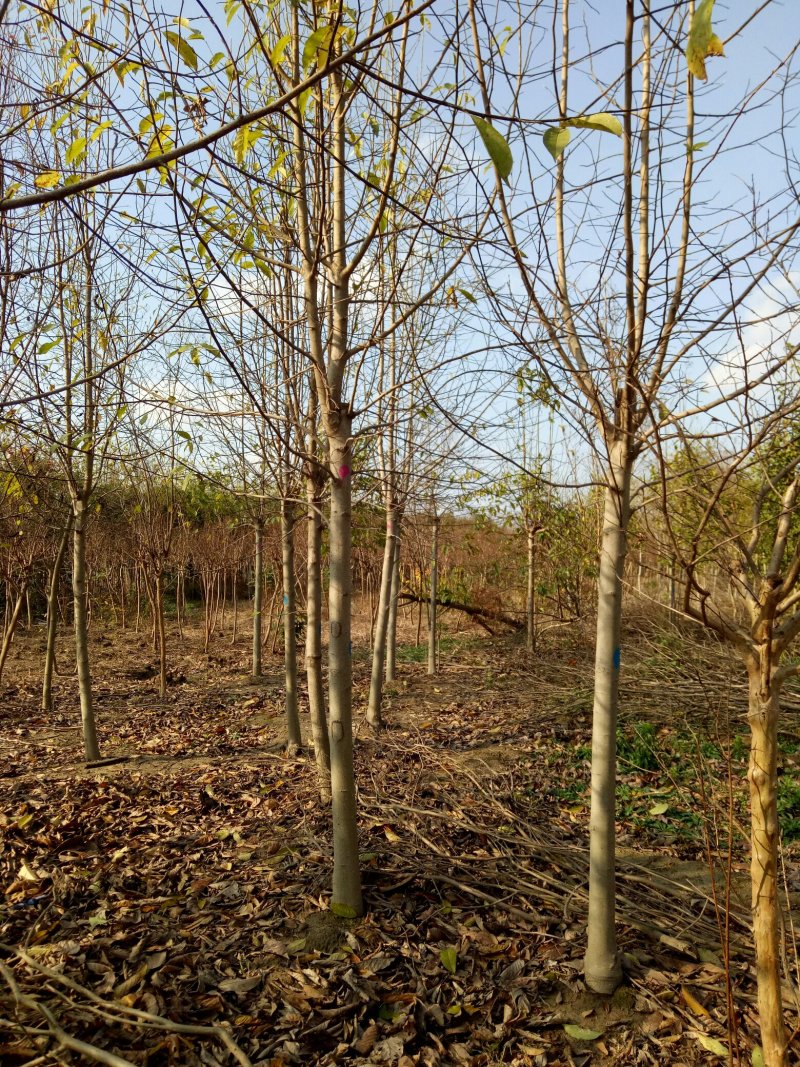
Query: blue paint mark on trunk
[[617, 658]]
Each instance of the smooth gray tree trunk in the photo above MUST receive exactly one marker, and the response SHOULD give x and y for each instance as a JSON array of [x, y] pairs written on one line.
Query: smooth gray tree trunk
[[258, 598], [346, 871], [394, 601], [374, 707], [432, 618], [294, 740], [162, 634], [530, 602], [316, 690], [602, 966], [52, 617], [80, 608]]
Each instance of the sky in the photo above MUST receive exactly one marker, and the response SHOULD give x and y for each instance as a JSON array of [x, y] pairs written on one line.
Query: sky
[[734, 167]]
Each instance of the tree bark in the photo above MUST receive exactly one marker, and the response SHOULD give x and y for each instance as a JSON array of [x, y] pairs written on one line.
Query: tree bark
[[374, 707], [162, 633], [480, 615], [432, 634], [316, 691], [762, 777], [346, 871], [91, 747], [530, 603], [602, 967], [394, 601], [11, 627], [52, 617], [258, 598], [294, 740]]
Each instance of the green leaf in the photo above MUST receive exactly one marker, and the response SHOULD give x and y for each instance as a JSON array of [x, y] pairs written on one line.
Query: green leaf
[[76, 151], [496, 145], [183, 48], [758, 1057], [698, 146], [659, 809], [302, 101], [710, 1044], [449, 958], [556, 140], [601, 121], [344, 911], [317, 47], [580, 1033], [702, 41]]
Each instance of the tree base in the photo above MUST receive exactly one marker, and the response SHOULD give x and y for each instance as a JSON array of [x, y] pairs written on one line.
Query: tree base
[[604, 979]]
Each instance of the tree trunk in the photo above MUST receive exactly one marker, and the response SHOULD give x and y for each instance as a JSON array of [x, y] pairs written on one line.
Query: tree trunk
[[179, 601], [374, 708], [52, 618], [258, 598], [394, 600], [432, 628], [11, 627], [673, 595], [373, 613], [293, 738], [80, 608], [346, 871], [271, 617], [235, 593], [162, 634], [316, 691], [530, 603], [122, 599], [762, 777], [602, 966]]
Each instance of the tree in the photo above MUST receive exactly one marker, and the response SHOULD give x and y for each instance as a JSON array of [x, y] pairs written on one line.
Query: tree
[[732, 506], [612, 329]]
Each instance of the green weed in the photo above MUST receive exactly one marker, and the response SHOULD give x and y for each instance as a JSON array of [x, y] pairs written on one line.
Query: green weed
[[636, 746]]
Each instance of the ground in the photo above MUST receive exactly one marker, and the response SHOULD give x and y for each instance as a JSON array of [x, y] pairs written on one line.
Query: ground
[[169, 908]]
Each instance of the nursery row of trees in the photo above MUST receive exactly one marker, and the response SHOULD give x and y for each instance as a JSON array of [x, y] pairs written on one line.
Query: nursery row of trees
[[336, 246]]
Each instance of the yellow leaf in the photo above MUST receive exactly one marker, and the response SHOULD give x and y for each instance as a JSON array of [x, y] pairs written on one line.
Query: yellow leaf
[[693, 1003], [278, 52], [702, 42], [49, 179], [76, 151], [710, 1044], [391, 835], [183, 48]]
